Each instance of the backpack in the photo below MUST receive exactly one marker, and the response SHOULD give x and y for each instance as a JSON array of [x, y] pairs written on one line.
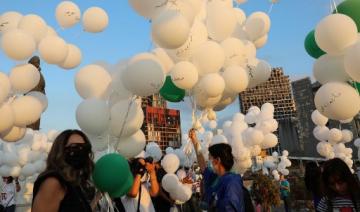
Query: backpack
[[247, 200]]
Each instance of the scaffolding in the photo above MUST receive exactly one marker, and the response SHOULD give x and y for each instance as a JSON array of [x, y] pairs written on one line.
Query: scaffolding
[[161, 125]]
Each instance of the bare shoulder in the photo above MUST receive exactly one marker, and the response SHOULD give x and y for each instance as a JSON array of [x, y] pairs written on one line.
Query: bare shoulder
[[52, 186]]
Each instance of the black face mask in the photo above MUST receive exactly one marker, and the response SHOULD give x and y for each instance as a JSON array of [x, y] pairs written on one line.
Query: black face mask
[[77, 155]]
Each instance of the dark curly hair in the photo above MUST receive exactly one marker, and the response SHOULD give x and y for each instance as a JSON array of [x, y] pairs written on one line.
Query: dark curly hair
[[56, 159]]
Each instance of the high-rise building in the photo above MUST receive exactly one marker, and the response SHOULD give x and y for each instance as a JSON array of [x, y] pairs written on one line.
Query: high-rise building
[[277, 90], [161, 125]]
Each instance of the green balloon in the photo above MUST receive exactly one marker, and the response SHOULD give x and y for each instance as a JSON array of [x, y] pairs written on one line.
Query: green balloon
[[350, 8], [111, 172], [311, 46], [124, 189], [170, 92]]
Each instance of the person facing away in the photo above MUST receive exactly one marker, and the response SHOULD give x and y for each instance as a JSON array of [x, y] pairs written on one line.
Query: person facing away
[[313, 181], [65, 184], [341, 188], [145, 186], [8, 192], [284, 192], [223, 189]]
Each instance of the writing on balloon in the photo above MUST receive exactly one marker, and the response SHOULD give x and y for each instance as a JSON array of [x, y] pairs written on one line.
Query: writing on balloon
[[178, 79], [333, 98], [179, 52]]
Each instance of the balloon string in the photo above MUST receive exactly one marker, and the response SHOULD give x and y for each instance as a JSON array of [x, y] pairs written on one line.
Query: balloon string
[[336, 10], [270, 9], [109, 201], [123, 124]]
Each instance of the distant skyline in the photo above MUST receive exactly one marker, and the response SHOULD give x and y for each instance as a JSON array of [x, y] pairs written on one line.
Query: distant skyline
[[129, 34]]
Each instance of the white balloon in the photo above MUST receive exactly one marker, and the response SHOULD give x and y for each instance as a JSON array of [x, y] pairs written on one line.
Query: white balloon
[[13, 135], [119, 92], [93, 116], [170, 163], [183, 193], [24, 78], [260, 42], [347, 136], [335, 135], [5, 87], [330, 68], [41, 97], [270, 140], [259, 71], [4, 170], [234, 52], [221, 20], [334, 40], [92, 81], [67, 14], [146, 8], [170, 29], [17, 44], [250, 50], [143, 77], [352, 62], [73, 57], [164, 58], [253, 136], [28, 170], [208, 58], [95, 19], [236, 79], [126, 118], [6, 117], [27, 110], [318, 118], [15, 171], [212, 85], [181, 174], [240, 16], [131, 146], [184, 75], [170, 182], [51, 31], [34, 25], [198, 35], [182, 7], [169, 150], [257, 25], [337, 101], [9, 20], [53, 49], [321, 133], [154, 152], [212, 124]]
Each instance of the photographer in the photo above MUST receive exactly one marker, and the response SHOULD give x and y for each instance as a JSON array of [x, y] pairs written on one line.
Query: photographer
[[144, 187]]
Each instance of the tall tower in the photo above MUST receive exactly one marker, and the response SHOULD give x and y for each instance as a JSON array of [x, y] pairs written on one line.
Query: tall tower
[[277, 90], [161, 125]]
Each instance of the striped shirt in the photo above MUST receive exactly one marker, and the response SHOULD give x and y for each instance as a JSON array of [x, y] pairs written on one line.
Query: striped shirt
[[337, 204]]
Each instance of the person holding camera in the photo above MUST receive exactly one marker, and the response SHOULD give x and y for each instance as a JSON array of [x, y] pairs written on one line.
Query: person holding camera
[[144, 187], [8, 193]]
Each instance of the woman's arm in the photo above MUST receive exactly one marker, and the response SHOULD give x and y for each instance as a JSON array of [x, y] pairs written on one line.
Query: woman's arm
[[154, 191], [135, 187], [200, 157], [49, 197]]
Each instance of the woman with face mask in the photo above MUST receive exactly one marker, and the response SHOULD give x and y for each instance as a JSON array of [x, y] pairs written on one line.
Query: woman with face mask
[[65, 184], [341, 188]]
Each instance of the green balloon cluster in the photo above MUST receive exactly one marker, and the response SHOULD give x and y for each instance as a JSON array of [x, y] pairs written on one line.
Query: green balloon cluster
[[170, 92], [350, 8], [112, 174], [311, 46]]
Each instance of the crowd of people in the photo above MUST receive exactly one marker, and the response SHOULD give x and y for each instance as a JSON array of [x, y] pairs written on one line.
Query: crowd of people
[[66, 183]]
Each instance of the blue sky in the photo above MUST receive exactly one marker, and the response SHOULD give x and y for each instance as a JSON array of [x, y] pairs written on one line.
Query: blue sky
[[129, 34]]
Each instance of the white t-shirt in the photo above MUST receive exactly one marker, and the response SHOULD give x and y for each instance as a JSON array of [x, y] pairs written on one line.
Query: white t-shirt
[[146, 205], [8, 194]]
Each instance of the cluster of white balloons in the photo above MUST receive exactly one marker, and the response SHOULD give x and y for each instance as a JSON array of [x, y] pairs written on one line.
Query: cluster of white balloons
[[27, 157], [18, 106], [207, 47], [23, 35], [108, 117], [339, 65], [332, 141], [94, 19], [272, 164], [171, 181]]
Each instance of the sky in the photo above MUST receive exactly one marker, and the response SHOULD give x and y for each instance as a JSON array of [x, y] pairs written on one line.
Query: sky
[[129, 34]]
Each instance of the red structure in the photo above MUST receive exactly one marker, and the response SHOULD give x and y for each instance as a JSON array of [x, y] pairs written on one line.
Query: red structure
[[161, 125]]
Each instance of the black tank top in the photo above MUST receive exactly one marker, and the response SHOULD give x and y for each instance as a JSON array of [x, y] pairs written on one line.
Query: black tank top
[[74, 199]]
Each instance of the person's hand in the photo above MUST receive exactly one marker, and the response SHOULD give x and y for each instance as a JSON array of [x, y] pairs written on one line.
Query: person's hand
[[192, 135], [187, 180], [150, 167]]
